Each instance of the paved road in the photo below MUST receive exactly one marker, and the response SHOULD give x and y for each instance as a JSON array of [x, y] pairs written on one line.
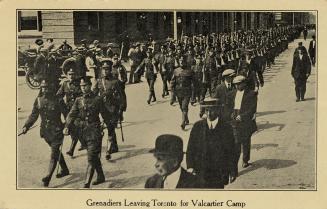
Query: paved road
[[283, 150]]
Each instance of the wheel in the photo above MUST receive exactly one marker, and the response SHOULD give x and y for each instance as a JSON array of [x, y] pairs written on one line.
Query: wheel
[[31, 80]]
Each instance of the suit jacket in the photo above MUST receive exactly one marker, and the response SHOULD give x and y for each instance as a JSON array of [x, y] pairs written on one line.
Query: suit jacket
[[312, 49], [247, 126], [226, 98], [301, 67], [220, 151], [186, 180]]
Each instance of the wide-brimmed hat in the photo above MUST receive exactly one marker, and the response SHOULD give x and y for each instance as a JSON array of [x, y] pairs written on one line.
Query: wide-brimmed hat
[[238, 79], [228, 72], [210, 102]]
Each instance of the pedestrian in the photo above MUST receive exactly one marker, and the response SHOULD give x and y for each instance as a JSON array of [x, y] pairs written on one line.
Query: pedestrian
[[243, 118], [85, 117], [301, 70], [182, 84], [50, 109], [312, 50], [210, 149], [169, 155]]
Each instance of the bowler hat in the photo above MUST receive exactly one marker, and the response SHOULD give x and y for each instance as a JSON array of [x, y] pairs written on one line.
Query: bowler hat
[[168, 144], [39, 41]]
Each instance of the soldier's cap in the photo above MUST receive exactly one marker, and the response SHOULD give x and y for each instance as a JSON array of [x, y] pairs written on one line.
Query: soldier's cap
[[210, 102], [71, 71], [115, 56], [110, 45], [44, 84], [39, 41], [75, 53], [228, 72], [137, 44], [150, 49], [53, 51], [238, 79], [43, 49], [106, 65], [92, 46], [80, 49], [95, 42], [85, 81], [168, 144], [83, 40]]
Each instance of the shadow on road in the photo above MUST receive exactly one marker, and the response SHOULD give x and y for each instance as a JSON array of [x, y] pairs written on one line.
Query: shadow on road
[[309, 99], [79, 177], [269, 164], [259, 114], [268, 125], [131, 153], [130, 123], [128, 182], [261, 146]]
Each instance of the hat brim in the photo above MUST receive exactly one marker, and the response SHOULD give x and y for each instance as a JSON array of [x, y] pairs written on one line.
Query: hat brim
[[154, 151]]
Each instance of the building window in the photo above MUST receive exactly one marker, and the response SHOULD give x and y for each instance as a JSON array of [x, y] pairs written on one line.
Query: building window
[[93, 21], [29, 20]]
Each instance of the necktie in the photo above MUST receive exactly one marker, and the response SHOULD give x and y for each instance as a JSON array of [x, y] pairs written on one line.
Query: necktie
[[211, 127]]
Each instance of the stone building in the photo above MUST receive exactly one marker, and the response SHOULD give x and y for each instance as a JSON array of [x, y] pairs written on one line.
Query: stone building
[[110, 26]]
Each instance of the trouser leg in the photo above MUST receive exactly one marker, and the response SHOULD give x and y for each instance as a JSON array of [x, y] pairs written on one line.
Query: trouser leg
[[297, 89], [246, 147], [100, 175], [303, 88], [52, 164]]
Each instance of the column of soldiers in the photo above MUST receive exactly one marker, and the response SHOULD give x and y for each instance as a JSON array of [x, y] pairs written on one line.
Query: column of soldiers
[[93, 86], [227, 66]]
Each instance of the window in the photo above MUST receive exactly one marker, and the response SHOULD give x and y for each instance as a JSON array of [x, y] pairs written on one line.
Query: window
[[93, 21], [29, 20]]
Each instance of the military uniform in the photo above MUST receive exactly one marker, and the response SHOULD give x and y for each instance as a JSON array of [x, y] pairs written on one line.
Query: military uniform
[[160, 59], [50, 109], [119, 72], [111, 93], [182, 83], [69, 91], [85, 117]]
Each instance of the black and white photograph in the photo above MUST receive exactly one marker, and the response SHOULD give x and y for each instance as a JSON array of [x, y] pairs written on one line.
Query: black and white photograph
[[166, 99]]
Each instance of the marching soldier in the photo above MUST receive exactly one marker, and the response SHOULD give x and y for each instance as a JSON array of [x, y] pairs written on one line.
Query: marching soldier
[[182, 84], [150, 74], [198, 84], [170, 65], [85, 117], [214, 74], [110, 91], [68, 92], [160, 59], [120, 73], [50, 109]]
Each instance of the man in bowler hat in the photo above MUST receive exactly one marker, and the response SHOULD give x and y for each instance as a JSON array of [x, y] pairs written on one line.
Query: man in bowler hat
[[169, 154]]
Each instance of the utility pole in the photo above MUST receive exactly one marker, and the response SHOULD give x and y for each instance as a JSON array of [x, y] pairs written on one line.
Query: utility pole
[[175, 25]]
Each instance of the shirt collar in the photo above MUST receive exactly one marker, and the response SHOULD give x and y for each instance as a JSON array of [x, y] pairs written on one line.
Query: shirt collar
[[171, 181], [214, 122]]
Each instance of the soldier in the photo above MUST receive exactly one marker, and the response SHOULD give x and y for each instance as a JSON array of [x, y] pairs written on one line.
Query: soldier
[[198, 84], [68, 92], [135, 58], [150, 74], [110, 91], [50, 109], [160, 59], [182, 84], [170, 65], [85, 117], [212, 68], [120, 73], [41, 65]]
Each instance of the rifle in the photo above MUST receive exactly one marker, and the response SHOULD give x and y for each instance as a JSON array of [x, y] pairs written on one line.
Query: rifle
[[21, 133]]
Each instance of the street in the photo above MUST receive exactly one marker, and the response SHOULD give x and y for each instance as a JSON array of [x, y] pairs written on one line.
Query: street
[[283, 149]]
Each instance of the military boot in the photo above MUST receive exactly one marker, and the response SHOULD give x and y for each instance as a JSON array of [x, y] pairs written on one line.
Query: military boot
[[72, 148], [89, 175], [52, 167], [64, 169], [153, 96], [100, 175]]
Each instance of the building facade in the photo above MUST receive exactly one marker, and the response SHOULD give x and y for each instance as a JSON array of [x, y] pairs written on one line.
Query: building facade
[[111, 26]]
